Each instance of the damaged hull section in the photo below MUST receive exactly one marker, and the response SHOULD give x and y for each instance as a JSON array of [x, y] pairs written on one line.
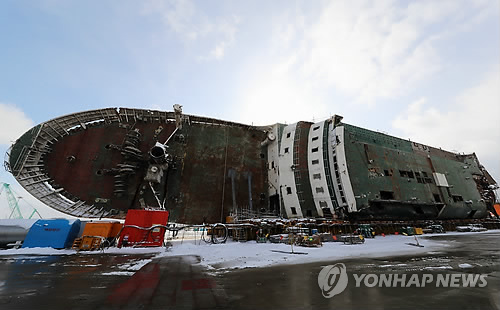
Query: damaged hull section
[[102, 163]]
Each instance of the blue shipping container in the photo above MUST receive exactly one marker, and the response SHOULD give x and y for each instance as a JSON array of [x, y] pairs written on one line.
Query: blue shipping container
[[57, 234]]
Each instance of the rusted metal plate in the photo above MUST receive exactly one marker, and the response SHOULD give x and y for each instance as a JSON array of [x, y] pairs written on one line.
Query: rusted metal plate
[[207, 162]]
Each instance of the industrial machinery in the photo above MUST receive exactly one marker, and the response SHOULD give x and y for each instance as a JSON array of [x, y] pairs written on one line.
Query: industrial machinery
[[13, 203]]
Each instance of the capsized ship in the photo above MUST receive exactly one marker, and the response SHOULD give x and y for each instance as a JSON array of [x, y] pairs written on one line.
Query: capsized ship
[[104, 162]]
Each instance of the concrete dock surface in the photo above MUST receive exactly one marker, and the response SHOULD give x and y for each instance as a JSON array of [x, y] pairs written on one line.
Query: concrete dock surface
[[180, 282]]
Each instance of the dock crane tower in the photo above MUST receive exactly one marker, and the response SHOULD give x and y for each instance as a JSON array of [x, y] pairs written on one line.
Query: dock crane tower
[[13, 202]]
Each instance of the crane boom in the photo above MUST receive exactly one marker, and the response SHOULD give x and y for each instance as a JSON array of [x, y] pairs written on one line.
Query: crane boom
[[15, 211]]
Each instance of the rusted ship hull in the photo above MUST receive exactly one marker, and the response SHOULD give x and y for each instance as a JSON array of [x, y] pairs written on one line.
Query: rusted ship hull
[[94, 164], [104, 162]]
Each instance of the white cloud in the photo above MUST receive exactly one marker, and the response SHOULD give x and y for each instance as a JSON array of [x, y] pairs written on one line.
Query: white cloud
[[13, 123], [374, 49], [274, 97], [213, 36], [361, 50], [469, 124]]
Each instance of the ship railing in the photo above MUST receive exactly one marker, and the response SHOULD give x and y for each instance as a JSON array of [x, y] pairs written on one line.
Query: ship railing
[[245, 213], [6, 160], [19, 161]]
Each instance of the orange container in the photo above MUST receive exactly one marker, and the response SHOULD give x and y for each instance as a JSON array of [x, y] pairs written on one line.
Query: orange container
[[497, 208], [103, 229], [90, 243]]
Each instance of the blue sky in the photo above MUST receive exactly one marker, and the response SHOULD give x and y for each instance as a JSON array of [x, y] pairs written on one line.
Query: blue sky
[[424, 70]]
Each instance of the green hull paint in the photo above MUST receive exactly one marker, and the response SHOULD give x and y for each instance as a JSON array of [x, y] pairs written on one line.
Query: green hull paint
[[400, 172]]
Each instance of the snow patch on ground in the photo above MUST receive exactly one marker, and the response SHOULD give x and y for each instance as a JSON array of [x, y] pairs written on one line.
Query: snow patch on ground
[[239, 255], [51, 251], [136, 265], [392, 265], [455, 233], [126, 251], [36, 251], [118, 273], [438, 267]]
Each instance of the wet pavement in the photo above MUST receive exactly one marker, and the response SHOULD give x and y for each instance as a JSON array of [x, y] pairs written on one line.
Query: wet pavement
[[93, 282], [296, 287], [180, 282]]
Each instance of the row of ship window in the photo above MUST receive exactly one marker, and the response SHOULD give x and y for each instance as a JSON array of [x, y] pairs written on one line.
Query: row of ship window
[[318, 190], [421, 177], [315, 176], [289, 134], [314, 150]]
